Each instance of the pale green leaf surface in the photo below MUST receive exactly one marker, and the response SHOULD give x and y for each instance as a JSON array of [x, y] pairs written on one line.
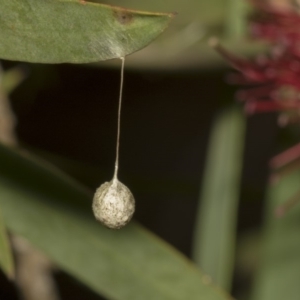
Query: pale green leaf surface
[[57, 31], [215, 231], [6, 256], [54, 213], [207, 12], [184, 45], [236, 24], [279, 274]]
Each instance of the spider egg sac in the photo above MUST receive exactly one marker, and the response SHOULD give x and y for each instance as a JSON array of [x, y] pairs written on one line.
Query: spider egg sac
[[113, 204]]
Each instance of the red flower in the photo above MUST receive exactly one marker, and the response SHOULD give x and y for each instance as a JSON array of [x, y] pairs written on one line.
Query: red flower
[[279, 26], [272, 83]]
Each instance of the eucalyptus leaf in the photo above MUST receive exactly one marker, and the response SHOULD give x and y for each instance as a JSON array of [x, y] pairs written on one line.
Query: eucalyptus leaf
[[278, 277], [184, 46], [54, 213], [57, 31], [214, 239]]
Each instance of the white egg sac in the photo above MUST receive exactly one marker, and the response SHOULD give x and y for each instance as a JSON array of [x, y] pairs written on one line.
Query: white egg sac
[[113, 204]]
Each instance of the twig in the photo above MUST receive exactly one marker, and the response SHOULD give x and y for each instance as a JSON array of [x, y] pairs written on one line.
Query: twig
[[33, 274]]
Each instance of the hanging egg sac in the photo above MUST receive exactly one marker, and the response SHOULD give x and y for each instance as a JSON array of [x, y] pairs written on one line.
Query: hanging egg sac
[[113, 204]]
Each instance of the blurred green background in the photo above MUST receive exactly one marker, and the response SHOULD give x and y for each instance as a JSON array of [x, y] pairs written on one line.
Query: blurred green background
[[173, 91]]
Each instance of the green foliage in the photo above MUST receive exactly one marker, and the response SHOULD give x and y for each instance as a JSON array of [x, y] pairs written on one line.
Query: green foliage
[[57, 31], [279, 274], [214, 240], [54, 213]]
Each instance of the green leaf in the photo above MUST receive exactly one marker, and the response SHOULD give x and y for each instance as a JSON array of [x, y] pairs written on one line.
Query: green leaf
[[236, 24], [6, 256], [214, 239], [184, 46], [57, 31], [279, 274], [54, 213]]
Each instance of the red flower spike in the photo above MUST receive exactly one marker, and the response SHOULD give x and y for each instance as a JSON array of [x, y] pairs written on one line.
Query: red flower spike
[[272, 81], [277, 25]]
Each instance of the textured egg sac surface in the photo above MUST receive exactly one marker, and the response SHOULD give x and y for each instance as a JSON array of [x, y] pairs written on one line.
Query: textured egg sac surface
[[113, 204]]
